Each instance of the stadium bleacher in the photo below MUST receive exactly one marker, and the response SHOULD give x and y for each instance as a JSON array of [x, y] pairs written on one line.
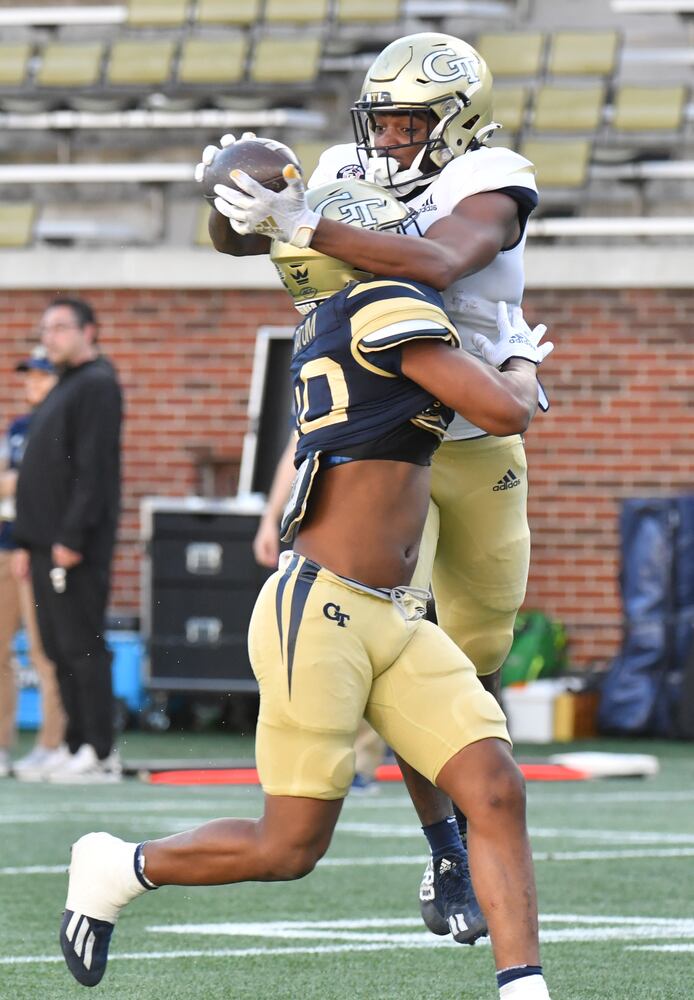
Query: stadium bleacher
[[152, 81]]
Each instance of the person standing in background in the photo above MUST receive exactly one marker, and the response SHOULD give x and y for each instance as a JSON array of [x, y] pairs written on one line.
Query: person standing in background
[[17, 599], [68, 494]]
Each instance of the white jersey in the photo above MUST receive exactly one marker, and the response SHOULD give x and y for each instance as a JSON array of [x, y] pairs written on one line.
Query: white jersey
[[471, 302]]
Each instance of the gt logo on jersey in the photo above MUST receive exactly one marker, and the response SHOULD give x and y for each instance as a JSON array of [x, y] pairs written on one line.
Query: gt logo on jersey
[[442, 69], [334, 614], [356, 212]]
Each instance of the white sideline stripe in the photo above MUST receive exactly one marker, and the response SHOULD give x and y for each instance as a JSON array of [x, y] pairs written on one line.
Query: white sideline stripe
[[420, 859]]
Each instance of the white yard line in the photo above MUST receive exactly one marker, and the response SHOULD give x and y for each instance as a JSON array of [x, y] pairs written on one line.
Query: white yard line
[[146, 956], [174, 821], [392, 830], [36, 870], [587, 927], [674, 852], [354, 937], [599, 795], [420, 859], [663, 947]]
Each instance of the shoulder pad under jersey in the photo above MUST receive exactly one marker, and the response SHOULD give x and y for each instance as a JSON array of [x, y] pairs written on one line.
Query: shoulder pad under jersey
[[485, 169], [390, 312], [336, 163]]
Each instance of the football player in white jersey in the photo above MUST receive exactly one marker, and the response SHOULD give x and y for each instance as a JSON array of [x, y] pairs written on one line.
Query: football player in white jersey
[[421, 125]]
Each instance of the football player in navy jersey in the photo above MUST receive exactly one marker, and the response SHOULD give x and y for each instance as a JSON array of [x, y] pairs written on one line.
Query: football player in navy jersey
[[338, 632], [422, 124]]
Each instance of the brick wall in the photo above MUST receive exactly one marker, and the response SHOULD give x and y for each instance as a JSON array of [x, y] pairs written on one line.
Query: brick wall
[[621, 424]]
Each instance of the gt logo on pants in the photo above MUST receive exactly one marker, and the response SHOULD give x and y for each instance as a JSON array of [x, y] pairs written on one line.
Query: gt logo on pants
[[332, 611]]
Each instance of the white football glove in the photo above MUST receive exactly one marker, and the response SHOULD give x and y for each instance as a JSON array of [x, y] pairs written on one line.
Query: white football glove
[[209, 152], [516, 339], [281, 215]]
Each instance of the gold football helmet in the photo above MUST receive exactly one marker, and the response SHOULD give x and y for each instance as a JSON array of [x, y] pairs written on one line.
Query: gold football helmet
[[429, 74], [310, 276]]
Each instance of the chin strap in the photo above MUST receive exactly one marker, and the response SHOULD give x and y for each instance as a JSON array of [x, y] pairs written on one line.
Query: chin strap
[[384, 171]]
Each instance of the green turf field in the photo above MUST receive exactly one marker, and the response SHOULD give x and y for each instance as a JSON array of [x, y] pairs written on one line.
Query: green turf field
[[615, 870]]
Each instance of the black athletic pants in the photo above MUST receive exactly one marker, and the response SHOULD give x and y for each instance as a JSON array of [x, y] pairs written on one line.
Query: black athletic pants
[[72, 631]]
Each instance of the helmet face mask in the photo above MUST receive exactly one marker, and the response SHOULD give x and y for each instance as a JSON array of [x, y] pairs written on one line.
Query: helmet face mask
[[310, 276], [366, 122], [429, 74]]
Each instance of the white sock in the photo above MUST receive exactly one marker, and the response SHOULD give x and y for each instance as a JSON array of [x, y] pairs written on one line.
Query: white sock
[[527, 988], [102, 876]]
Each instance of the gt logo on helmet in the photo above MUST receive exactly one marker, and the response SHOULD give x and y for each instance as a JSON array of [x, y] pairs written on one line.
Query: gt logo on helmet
[[354, 212], [310, 276], [458, 66]]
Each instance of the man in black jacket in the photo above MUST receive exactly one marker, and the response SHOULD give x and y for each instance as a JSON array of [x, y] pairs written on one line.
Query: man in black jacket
[[67, 511]]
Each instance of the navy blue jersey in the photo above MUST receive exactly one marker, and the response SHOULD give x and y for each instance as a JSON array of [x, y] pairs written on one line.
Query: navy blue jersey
[[346, 368], [348, 383], [13, 450]]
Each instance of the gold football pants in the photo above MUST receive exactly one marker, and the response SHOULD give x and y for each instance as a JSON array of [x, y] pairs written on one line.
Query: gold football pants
[[477, 540], [327, 651]]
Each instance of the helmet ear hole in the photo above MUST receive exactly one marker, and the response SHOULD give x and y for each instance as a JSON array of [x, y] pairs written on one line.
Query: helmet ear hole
[[470, 123]]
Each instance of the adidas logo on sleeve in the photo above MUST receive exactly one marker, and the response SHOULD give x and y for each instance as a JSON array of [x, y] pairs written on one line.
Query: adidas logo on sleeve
[[507, 481]]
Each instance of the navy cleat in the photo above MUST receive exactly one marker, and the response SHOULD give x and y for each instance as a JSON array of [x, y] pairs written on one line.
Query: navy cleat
[[428, 904], [450, 906], [105, 875], [85, 942]]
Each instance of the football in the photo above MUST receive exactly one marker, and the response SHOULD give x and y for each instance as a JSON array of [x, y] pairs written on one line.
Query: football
[[264, 163]]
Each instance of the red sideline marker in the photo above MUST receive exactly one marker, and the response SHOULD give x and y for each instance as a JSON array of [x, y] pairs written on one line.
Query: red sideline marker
[[386, 772]]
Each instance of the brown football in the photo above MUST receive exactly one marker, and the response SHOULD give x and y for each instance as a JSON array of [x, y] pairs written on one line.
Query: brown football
[[263, 163]]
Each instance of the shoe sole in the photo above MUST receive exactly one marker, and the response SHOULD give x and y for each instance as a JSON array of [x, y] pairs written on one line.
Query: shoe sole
[[468, 936], [433, 919]]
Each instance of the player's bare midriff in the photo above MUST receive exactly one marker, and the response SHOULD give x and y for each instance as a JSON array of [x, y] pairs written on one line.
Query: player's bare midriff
[[365, 521]]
